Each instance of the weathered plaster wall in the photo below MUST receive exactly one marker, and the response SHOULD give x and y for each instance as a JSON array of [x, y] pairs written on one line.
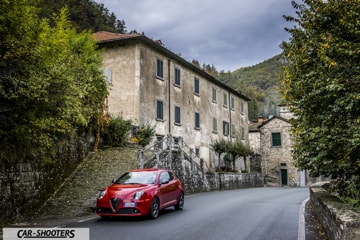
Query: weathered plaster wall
[[135, 89]]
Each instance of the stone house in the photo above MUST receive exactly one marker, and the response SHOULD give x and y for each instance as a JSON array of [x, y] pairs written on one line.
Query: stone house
[[272, 143], [150, 84]]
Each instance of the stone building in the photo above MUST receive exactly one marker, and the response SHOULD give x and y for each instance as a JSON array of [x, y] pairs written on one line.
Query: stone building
[[272, 143], [150, 84]]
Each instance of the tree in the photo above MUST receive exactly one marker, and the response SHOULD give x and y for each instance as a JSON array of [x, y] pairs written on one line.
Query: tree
[[52, 82], [237, 149], [84, 15], [321, 82], [219, 146]]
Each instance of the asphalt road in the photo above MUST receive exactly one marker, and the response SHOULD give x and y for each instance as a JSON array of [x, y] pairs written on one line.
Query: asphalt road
[[254, 213]]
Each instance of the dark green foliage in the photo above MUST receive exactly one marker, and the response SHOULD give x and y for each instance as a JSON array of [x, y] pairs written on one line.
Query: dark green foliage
[[116, 134], [321, 83], [144, 134], [51, 81], [84, 15]]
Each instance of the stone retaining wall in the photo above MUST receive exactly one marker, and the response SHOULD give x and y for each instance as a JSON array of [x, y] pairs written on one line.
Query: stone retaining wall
[[228, 181], [339, 219]]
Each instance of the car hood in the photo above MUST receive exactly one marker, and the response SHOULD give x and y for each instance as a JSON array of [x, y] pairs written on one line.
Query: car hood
[[124, 190]]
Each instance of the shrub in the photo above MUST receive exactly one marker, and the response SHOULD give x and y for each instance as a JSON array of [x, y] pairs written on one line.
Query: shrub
[[116, 133]]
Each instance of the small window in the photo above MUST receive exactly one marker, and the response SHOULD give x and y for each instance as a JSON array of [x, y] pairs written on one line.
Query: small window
[[276, 139], [233, 132], [177, 77], [159, 141], [197, 120], [159, 110], [213, 90], [177, 115], [197, 151], [197, 86], [214, 125], [225, 99], [159, 68], [108, 75], [232, 103], [242, 108], [282, 164], [225, 128], [242, 133]]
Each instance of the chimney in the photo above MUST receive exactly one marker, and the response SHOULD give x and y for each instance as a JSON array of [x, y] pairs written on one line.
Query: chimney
[[260, 119]]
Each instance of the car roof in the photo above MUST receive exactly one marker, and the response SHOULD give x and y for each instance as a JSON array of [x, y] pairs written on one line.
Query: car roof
[[149, 170]]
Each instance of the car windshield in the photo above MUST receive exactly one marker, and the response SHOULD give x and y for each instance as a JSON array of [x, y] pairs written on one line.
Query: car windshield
[[137, 178]]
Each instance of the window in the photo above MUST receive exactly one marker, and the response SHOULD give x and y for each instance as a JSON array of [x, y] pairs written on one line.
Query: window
[[197, 86], [197, 151], [232, 103], [225, 99], [214, 125], [276, 139], [225, 128], [233, 132], [213, 90], [108, 75], [159, 110], [165, 177], [159, 68], [242, 133], [177, 77], [242, 108], [159, 141], [197, 120], [177, 115]]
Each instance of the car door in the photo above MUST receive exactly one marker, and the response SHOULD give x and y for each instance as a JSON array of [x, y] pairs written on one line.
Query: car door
[[165, 188], [174, 188]]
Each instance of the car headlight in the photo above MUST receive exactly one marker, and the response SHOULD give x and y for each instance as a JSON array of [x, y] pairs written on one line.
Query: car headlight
[[138, 195], [101, 194]]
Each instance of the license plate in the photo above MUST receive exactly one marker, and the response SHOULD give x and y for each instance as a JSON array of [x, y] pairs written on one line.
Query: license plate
[[129, 204]]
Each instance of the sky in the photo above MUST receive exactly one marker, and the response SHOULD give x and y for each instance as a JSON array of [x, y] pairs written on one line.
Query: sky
[[227, 34]]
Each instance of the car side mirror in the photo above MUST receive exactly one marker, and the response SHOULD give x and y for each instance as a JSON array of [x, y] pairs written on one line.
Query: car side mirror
[[114, 180]]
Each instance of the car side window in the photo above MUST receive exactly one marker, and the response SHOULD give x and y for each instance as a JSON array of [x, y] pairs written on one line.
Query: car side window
[[171, 175], [164, 177]]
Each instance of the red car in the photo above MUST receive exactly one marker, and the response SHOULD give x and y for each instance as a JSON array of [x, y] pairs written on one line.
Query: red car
[[141, 192]]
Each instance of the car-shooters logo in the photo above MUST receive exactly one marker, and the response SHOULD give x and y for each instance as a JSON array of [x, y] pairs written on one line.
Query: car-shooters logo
[[46, 233]]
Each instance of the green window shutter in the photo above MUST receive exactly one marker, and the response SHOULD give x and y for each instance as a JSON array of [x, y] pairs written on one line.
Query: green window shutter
[[276, 139]]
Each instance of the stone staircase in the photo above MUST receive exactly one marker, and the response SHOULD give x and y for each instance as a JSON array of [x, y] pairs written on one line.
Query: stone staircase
[[173, 153]]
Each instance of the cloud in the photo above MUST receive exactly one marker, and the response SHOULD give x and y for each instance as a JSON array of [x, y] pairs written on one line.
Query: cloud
[[229, 33]]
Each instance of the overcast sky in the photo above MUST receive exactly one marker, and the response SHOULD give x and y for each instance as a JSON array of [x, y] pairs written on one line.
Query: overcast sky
[[228, 34]]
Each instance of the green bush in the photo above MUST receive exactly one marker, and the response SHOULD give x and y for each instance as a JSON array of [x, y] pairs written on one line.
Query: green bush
[[145, 134], [116, 133]]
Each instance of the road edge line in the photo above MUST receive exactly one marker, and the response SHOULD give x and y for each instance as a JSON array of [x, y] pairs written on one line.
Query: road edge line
[[301, 230]]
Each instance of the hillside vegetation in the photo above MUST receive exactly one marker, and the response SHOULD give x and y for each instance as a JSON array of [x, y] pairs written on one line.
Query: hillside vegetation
[[260, 84]]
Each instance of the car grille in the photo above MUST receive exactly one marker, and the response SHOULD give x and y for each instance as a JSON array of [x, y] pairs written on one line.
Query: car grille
[[115, 203], [121, 211], [126, 210]]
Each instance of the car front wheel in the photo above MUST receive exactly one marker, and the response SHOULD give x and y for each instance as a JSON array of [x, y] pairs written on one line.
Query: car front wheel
[[154, 208], [180, 203]]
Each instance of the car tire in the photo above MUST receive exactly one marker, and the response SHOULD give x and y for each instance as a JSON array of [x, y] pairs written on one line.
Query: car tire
[[180, 203], [154, 208]]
